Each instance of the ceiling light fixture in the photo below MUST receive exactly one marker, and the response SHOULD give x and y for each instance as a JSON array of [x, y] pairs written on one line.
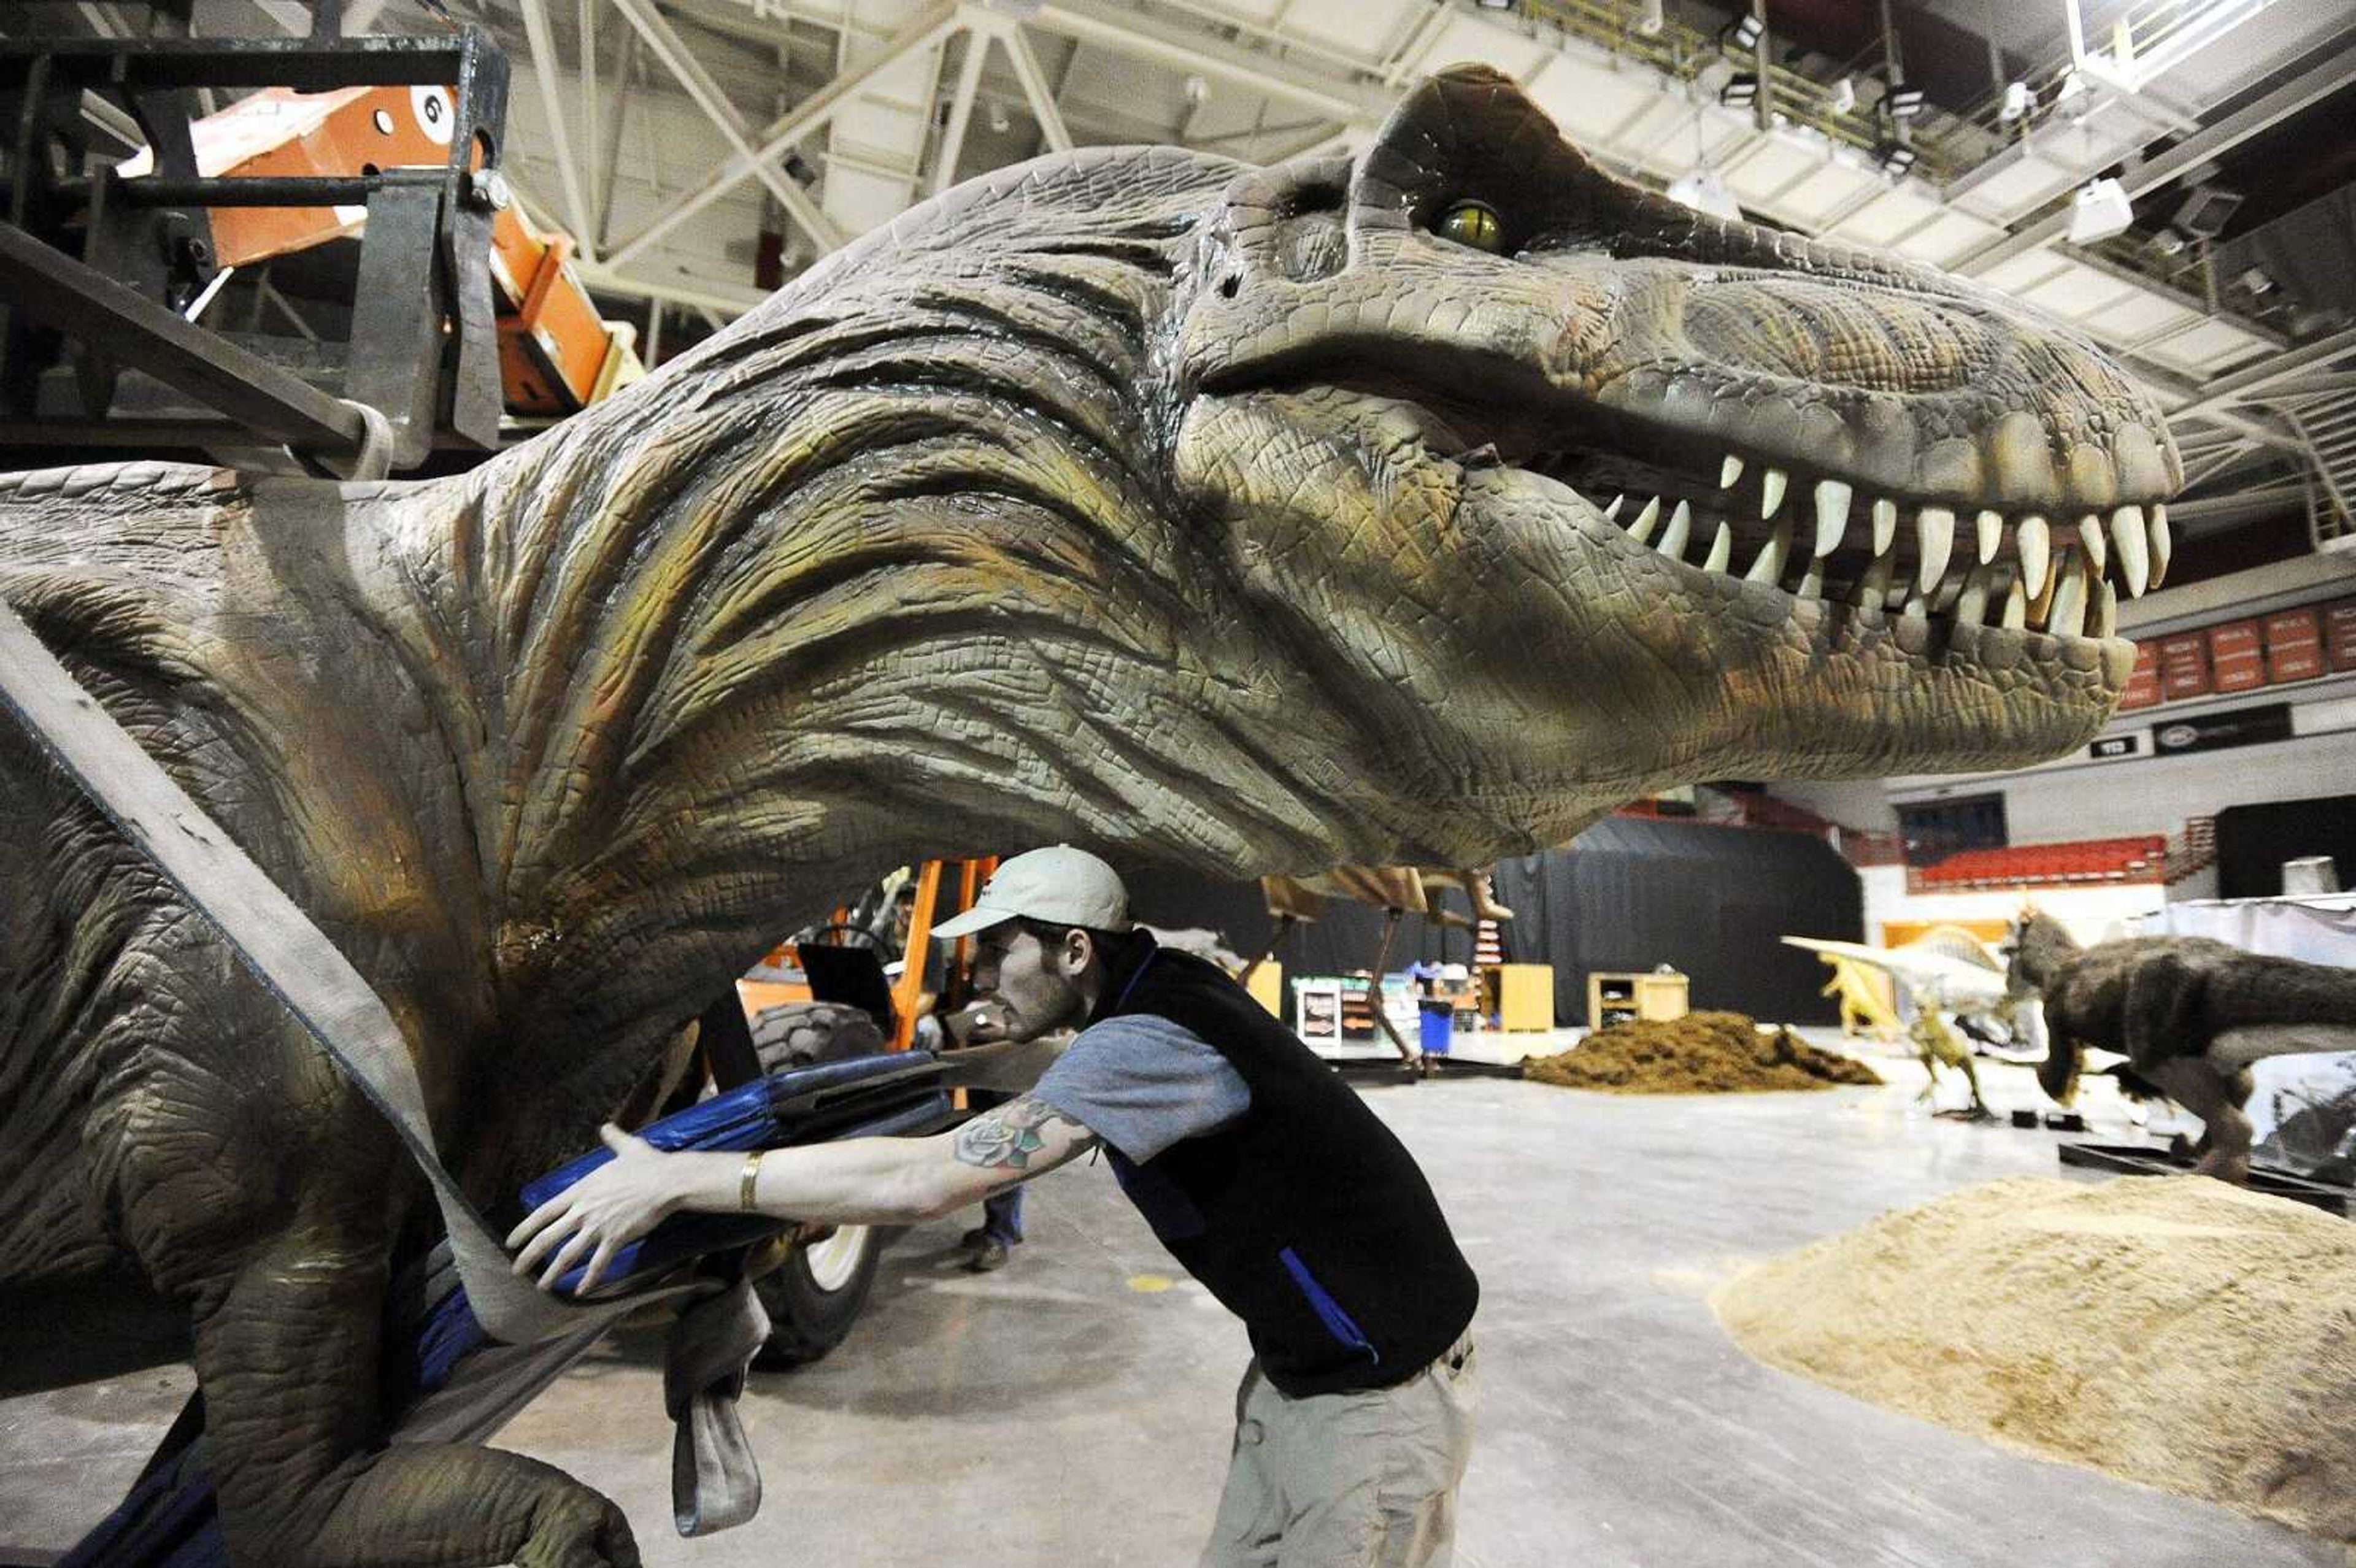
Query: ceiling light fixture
[[2100, 210], [1895, 156], [2018, 101], [1904, 102], [1704, 192], [1740, 91], [1844, 97], [2206, 210], [1742, 33]]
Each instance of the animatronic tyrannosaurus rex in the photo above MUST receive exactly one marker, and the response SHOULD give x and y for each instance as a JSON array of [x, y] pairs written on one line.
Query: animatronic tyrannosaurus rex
[[1233, 517], [2189, 1014]]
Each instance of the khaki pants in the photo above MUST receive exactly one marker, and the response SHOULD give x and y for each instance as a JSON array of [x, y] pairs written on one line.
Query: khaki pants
[[1347, 1481]]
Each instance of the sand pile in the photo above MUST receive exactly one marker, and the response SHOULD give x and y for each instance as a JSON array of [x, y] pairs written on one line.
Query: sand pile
[[2171, 1330], [1701, 1054]]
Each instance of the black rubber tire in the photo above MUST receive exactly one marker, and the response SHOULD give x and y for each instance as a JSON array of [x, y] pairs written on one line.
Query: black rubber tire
[[806, 1319]]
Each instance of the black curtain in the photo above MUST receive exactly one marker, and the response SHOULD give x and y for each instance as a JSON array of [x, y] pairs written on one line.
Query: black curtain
[[1628, 894], [2253, 842]]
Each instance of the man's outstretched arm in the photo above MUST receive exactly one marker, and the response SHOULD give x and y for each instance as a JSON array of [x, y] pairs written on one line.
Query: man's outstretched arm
[[859, 1181]]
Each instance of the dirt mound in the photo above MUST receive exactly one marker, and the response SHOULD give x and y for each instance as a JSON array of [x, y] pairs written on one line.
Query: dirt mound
[[2171, 1330], [1701, 1054]]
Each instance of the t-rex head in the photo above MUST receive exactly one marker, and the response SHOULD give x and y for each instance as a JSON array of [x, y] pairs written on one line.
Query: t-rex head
[[1416, 382], [1254, 518]]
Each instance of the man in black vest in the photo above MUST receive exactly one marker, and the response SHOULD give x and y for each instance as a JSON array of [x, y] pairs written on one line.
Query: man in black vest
[[1264, 1174]]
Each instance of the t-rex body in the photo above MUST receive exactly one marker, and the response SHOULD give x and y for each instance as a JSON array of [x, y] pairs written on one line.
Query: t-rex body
[[2189, 1014], [1201, 513]]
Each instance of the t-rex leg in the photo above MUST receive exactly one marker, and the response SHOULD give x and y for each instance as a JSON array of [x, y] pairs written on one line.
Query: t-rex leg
[[288, 1362], [255, 1184], [1971, 1075], [2208, 1093]]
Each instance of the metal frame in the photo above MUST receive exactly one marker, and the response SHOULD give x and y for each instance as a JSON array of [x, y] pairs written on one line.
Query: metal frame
[[423, 259]]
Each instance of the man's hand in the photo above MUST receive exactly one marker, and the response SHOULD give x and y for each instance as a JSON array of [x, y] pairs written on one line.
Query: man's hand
[[599, 1214]]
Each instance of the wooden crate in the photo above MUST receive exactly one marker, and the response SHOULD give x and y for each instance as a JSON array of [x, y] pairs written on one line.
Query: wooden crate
[[1520, 996], [1626, 999]]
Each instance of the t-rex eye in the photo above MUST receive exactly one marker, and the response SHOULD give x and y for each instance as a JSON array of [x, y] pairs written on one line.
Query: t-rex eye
[[1473, 223]]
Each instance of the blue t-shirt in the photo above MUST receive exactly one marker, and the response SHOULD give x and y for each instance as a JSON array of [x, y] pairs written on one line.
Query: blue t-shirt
[[1142, 1084]]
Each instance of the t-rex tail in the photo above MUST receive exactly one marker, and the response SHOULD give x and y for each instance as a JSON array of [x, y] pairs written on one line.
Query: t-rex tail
[[2262, 991]]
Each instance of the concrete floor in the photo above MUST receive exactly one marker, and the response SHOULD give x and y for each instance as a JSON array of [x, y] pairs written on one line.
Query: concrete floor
[[1075, 1408]]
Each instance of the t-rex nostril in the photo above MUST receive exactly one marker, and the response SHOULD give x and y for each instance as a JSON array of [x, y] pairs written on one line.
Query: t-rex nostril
[[1230, 284]]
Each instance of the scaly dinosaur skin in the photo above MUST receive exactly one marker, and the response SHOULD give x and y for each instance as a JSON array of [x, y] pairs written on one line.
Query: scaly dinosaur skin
[[2188, 1013], [1122, 497]]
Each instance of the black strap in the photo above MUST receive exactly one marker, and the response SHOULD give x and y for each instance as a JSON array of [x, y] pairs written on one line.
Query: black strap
[[727, 1042]]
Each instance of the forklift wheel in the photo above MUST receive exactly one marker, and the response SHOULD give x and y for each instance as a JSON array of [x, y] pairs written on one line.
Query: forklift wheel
[[815, 1296]]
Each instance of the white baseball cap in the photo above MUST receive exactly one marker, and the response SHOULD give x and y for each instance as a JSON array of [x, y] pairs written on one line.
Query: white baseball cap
[[1059, 886]]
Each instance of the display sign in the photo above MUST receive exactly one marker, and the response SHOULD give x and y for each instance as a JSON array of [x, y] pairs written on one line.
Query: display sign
[[2293, 645], [2236, 656], [2215, 732], [2143, 685], [2340, 635], [2118, 747], [2183, 665]]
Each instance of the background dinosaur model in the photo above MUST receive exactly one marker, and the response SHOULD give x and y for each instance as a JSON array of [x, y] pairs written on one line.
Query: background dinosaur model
[[2189, 1014], [1082, 502]]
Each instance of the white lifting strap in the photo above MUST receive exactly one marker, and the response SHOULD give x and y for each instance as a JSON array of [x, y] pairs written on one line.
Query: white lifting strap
[[288, 954]]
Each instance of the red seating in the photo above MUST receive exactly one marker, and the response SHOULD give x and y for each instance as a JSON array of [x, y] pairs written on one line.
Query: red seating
[[2139, 859]]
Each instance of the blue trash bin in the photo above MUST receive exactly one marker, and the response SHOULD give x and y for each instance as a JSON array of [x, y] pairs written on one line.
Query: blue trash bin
[[1438, 1025]]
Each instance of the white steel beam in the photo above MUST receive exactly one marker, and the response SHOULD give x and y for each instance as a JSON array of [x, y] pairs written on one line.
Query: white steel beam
[[611, 172], [551, 105], [968, 84], [702, 296], [680, 62], [585, 23], [1140, 37], [1034, 87], [812, 114]]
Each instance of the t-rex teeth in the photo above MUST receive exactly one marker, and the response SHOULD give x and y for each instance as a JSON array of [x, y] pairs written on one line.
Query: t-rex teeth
[[1934, 530], [1722, 548], [1728, 471], [2068, 616], [1885, 524], [2035, 541], [1832, 515], [2106, 611], [1812, 581], [2134, 547], [1971, 606], [1613, 511], [1918, 607], [2162, 545], [2090, 532], [1873, 588], [1991, 527], [1769, 568], [1771, 491], [1673, 543], [2015, 607], [1641, 530]]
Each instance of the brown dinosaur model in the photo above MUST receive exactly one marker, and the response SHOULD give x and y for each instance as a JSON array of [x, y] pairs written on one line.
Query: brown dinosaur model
[[1248, 518], [2189, 1014]]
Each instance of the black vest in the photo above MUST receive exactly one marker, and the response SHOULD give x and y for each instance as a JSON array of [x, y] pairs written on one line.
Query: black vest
[[1306, 1217]]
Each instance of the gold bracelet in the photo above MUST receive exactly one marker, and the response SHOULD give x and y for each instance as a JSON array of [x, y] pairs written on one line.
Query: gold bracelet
[[744, 1183]]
